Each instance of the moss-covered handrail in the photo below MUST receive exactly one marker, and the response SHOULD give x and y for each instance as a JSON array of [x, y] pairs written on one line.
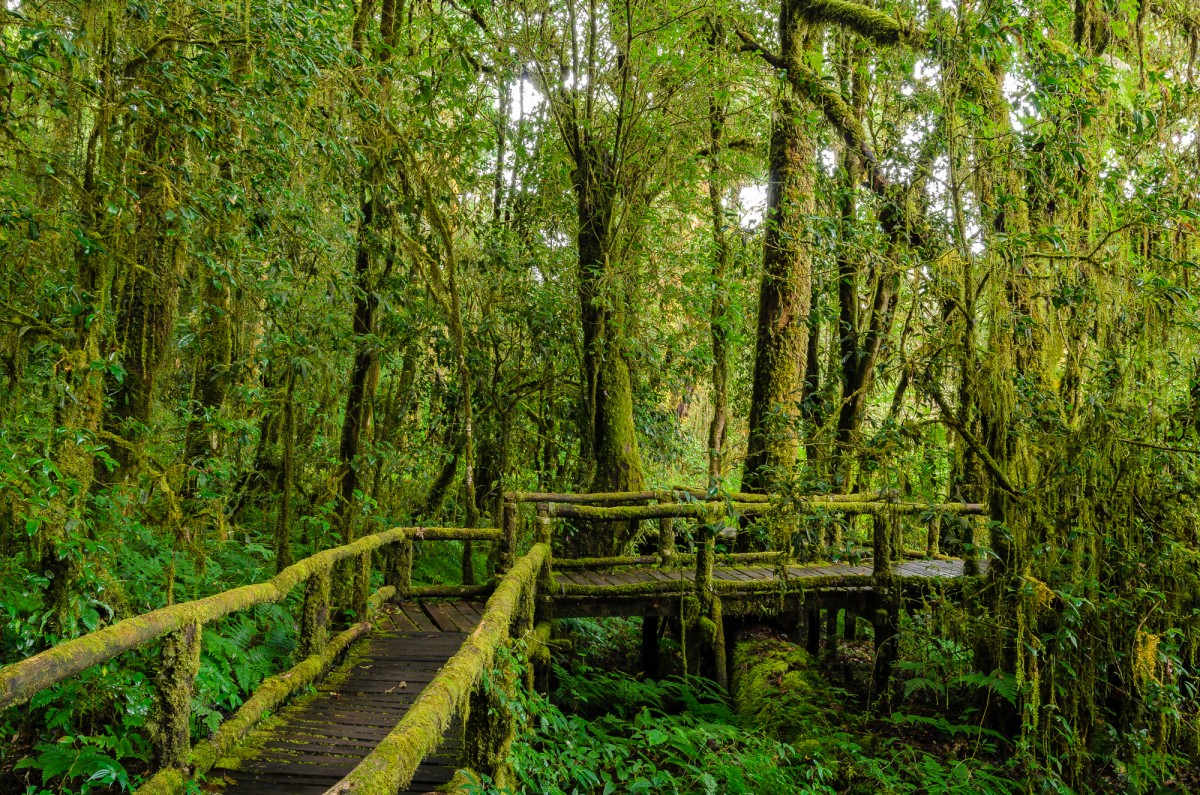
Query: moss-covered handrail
[[391, 765], [597, 498], [22, 680], [703, 511]]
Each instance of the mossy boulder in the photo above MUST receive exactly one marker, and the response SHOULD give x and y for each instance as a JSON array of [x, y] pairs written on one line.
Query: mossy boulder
[[777, 689]]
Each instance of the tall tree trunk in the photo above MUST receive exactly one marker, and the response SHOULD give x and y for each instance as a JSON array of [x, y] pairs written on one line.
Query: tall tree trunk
[[79, 416], [364, 372], [283, 521], [781, 345], [722, 254], [149, 300], [607, 429]]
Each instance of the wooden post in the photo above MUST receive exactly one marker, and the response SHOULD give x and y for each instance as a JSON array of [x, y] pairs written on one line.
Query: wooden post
[[885, 616], [170, 729], [543, 607], [831, 631], [970, 558], [490, 725], [812, 633], [508, 537], [314, 621], [362, 586], [650, 661], [705, 553], [935, 536], [399, 572], [881, 542], [885, 620], [544, 534], [850, 625], [666, 540]]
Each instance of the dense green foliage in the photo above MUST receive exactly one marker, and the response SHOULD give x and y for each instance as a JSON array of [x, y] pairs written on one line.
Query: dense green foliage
[[276, 274]]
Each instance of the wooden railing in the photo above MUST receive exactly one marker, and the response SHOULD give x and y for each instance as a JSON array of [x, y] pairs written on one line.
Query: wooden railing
[[180, 627], [513, 610], [701, 598], [461, 681]]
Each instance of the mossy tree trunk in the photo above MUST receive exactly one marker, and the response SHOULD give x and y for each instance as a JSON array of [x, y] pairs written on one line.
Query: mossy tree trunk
[[781, 344], [147, 299], [373, 215], [79, 416], [719, 320]]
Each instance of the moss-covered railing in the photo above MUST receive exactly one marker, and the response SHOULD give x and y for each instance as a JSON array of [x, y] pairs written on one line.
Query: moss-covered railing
[[701, 594], [461, 686], [180, 627]]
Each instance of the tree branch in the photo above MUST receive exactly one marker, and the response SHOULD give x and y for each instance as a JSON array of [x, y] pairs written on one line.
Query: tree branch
[[751, 46]]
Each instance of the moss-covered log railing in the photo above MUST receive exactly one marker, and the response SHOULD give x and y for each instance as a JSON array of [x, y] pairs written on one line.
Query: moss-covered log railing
[[461, 687], [701, 595], [180, 628]]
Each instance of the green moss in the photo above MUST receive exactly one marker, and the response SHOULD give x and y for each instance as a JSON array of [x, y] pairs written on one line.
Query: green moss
[[863, 20], [391, 765], [776, 688], [314, 619], [170, 729]]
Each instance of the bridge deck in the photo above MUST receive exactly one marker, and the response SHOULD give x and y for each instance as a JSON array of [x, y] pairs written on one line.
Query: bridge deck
[[319, 742], [933, 569]]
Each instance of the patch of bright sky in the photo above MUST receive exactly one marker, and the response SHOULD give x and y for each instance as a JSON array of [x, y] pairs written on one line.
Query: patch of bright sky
[[829, 161], [752, 204], [523, 98]]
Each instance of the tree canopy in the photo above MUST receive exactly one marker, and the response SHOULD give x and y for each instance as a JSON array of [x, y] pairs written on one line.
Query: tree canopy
[[280, 274]]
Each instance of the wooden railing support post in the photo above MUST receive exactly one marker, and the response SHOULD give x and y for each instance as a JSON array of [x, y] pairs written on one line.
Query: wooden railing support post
[[508, 539], [666, 540], [543, 611], [362, 586], [490, 724], [544, 534], [885, 617], [812, 632], [831, 631], [709, 628], [933, 541], [399, 571], [970, 554], [314, 621], [170, 729], [881, 543]]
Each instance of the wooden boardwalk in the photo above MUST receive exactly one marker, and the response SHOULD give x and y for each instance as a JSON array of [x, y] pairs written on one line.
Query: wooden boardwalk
[[319, 742], [932, 569]]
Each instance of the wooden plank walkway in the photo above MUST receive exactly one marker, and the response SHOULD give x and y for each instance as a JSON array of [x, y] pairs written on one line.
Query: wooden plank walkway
[[932, 569], [322, 740]]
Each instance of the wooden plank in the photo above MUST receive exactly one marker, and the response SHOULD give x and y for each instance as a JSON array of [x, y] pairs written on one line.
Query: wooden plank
[[414, 613], [758, 573], [473, 611], [735, 574], [402, 622], [729, 575], [591, 578], [439, 617], [458, 612]]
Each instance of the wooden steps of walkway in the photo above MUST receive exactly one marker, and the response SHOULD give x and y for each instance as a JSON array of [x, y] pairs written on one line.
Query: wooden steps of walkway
[[318, 742]]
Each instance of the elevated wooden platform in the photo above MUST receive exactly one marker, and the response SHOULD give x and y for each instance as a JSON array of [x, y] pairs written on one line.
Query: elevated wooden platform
[[420, 653], [317, 743], [742, 587]]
